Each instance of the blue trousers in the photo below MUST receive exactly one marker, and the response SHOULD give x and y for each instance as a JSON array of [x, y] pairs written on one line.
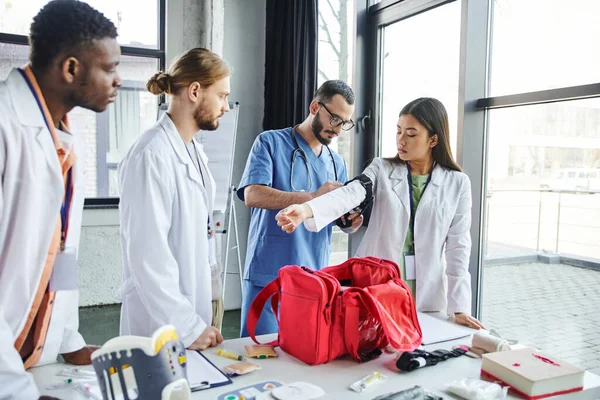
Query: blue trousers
[[267, 323]]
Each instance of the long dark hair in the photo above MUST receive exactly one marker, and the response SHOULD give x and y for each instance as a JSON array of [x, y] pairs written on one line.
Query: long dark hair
[[432, 114]]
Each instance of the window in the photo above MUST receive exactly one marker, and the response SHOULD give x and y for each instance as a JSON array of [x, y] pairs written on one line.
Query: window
[[544, 44], [337, 30], [539, 184], [541, 212], [16, 17], [410, 72], [107, 135]]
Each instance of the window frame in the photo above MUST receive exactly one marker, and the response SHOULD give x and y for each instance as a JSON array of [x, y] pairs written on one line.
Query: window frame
[[474, 101], [158, 54]]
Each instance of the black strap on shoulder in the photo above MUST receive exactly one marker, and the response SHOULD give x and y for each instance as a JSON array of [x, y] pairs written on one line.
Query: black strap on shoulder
[[366, 183]]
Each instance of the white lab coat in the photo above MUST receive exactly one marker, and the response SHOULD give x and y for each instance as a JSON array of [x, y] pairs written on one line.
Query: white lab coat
[[164, 209], [442, 223], [31, 193]]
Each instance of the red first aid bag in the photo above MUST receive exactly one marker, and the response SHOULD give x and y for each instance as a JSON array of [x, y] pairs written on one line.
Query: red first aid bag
[[356, 308]]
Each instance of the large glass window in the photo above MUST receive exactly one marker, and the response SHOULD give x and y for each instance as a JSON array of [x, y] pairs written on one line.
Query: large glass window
[[420, 59], [337, 31], [542, 189], [136, 20], [107, 135], [544, 44], [540, 260], [541, 255]]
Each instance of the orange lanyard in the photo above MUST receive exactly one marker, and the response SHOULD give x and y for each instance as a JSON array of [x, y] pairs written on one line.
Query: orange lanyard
[[66, 160]]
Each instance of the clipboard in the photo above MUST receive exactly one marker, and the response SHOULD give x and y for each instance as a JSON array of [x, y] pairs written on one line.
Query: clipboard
[[202, 374], [436, 330]]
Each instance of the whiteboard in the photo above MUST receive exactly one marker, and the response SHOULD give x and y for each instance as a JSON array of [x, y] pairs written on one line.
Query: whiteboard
[[219, 147]]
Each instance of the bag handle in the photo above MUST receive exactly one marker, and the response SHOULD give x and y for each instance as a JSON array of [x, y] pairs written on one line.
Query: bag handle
[[257, 306]]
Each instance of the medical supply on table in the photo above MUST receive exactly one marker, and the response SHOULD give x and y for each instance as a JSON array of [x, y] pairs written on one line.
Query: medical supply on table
[[258, 391], [241, 368], [88, 391], [491, 344], [510, 341], [68, 382], [414, 393], [155, 367], [468, 351], [367, 382], [531, 373], [477, 351], [225, 353], [260, 351], [298, 391], [76, 372], [476, 389], [411, 360]]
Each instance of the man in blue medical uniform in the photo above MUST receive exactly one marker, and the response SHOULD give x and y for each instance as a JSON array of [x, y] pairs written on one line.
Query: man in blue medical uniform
[[291, 166]]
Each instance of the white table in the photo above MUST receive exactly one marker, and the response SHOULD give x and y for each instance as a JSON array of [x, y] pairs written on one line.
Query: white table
[[335, 377]]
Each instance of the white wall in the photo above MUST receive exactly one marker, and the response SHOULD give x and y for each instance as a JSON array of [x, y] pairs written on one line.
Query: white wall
[[99, 257], [244, 49]]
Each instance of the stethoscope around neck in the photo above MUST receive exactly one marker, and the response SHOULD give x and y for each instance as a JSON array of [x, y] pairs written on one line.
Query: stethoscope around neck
[[298, 152]]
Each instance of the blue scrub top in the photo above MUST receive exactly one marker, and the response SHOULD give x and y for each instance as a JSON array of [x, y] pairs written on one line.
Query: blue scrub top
[[269, 163]]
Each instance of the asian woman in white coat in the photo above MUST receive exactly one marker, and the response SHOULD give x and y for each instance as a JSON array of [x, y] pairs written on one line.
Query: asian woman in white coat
[[167, 194], [421, 212]]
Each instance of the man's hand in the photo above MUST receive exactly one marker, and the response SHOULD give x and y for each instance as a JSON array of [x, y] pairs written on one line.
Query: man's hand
[[291, 217], [326, 188], [82, 356], [209, 338]]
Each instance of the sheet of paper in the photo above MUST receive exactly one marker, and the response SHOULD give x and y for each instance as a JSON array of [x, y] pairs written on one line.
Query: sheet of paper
[[436, 330], [200, 370]]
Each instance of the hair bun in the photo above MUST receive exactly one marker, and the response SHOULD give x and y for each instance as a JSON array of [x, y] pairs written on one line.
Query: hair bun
[[159, 83]]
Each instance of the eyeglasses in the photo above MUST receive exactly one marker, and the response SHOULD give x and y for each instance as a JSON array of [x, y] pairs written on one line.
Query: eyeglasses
[[337, 121]]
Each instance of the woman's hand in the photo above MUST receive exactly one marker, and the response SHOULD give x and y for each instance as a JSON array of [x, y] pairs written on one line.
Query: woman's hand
[[291, 217], [467, 320]]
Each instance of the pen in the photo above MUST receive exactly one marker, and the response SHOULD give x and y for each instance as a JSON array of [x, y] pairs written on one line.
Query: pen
[[225, 353]]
